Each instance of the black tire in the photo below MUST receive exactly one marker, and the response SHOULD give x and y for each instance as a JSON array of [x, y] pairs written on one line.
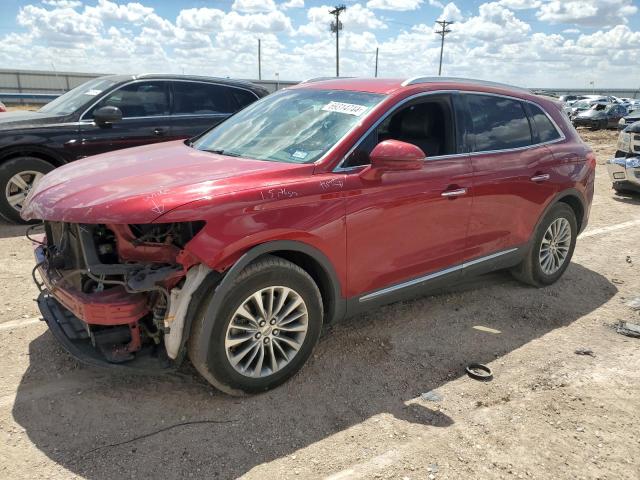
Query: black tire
[[10, 168], [530, 270], [213, 363]]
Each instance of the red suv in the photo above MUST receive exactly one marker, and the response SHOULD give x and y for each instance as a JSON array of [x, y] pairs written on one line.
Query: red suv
[[310, 205]]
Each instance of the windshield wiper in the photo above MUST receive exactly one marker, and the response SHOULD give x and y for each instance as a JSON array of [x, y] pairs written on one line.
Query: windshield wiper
[[222, 152]]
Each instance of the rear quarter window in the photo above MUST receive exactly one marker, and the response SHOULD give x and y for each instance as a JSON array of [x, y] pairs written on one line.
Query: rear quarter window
[[196, 98], [547, 131]]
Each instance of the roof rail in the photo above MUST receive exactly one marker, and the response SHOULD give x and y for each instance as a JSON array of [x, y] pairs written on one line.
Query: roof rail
[[320, 79], [471, 81]]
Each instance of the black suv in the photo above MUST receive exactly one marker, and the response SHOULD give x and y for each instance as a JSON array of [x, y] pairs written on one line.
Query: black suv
[[109, 113]]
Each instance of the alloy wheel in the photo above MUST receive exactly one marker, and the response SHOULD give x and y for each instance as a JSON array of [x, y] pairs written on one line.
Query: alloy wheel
[[266, 331], [555, 245], [19, 186]]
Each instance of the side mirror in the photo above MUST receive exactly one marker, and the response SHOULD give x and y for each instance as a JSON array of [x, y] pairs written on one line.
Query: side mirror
[[105, 116], [393, 156]]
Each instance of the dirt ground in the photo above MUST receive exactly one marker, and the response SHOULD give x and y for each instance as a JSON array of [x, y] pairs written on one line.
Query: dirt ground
[[355, 410]]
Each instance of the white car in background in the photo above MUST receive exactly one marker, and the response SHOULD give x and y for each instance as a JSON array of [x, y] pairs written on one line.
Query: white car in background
[[2, 107], [624, 169]]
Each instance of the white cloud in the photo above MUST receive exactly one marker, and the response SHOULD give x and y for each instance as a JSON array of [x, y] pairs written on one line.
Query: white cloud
[[293, 4], [494, 23], [356, 18], [62, 3], [587, 12], [200, 18], [253, 6], [451, 12], [520, 4], [397, 5]]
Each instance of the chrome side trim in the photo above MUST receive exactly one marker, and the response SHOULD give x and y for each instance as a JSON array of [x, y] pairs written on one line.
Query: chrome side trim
[[338, 168], [410, 283], [431, 276]]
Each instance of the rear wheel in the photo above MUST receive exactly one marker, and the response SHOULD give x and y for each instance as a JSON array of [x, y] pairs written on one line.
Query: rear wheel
[[17, 178], [552, 248], [265, 329]]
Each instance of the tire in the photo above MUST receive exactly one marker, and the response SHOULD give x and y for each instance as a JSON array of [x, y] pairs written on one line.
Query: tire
[[30, 167], [215, 363], [531, 270]]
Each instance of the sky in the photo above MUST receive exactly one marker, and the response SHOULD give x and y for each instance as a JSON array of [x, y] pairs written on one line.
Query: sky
[[535, 43]]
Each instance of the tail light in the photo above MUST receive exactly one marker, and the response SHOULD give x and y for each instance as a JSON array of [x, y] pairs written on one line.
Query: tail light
[[591, 159]]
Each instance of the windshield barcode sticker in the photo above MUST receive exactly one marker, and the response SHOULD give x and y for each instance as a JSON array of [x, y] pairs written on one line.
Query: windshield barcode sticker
[[348, 108]]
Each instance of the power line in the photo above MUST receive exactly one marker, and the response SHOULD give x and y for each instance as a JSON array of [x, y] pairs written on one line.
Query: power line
[[443, 32], [336, 26]]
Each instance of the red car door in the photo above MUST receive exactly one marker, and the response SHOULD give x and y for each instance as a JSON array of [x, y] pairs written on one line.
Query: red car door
[[401, 227], [513, 178]]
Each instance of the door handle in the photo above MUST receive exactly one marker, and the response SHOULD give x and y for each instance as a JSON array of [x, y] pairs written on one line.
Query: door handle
[[159, 131], [454, 193], [540, 177]]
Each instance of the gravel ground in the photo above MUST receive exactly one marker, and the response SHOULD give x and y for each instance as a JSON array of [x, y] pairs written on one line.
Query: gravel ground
[[356, 410]]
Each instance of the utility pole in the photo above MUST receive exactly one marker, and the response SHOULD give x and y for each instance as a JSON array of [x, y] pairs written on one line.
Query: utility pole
[[336, 27], [259, 62], [376, 74], [443, 32]]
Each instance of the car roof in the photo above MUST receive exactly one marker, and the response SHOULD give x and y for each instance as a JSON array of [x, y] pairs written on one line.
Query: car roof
[[392, 85], [174, 76]]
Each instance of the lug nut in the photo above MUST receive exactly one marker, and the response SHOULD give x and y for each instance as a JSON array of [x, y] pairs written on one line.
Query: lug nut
[[258, 335], [276, 332], [262, 323], [266, 340], [273, 321]]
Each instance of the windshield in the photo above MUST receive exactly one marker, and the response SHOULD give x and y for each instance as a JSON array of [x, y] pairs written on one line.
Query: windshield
[[582, 104], [76, 98], [297, 126]]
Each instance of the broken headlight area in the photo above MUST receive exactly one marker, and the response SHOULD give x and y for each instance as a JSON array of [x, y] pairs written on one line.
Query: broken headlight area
[[110, 284]]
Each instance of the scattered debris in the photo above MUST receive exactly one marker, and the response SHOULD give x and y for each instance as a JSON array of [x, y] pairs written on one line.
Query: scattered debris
[[432, 396], [634, 304], [617, 281], [629, 259], [585, 351], [478, 371], [628, 329]]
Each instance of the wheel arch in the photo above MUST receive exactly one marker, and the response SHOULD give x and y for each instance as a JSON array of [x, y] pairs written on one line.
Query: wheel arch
[[42, 153], [576, 202], [309, 258]]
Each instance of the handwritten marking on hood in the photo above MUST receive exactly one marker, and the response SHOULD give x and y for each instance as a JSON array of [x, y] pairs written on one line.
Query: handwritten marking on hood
[[277, 194]]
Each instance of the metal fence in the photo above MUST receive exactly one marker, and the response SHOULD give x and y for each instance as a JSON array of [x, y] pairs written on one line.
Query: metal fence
[[38, 87]]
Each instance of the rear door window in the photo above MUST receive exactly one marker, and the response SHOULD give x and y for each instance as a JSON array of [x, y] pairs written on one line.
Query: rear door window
[[139, 99], [195, 98], [499, 123], [547, 131]]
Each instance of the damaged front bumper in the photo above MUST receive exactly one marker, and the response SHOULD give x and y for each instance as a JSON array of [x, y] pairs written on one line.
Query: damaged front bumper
[[72, 333], [112, 300], [625, 173]]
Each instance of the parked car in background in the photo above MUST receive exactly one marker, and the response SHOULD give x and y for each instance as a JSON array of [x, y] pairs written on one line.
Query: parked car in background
[[633, 117], [2, 107], [570, 99], [314, 203], [109, 113], [600, 116], [624, 169]]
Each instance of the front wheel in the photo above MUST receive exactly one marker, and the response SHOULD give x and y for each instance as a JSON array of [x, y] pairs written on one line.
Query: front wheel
[[17, 178], [265, 330], [551, 249]]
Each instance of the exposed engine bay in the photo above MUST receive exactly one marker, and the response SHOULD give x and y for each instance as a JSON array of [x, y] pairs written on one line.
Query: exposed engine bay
[[116, 281]]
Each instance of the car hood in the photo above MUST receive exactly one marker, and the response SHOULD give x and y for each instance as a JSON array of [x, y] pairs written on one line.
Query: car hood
[[27, 119], [138, 185]]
